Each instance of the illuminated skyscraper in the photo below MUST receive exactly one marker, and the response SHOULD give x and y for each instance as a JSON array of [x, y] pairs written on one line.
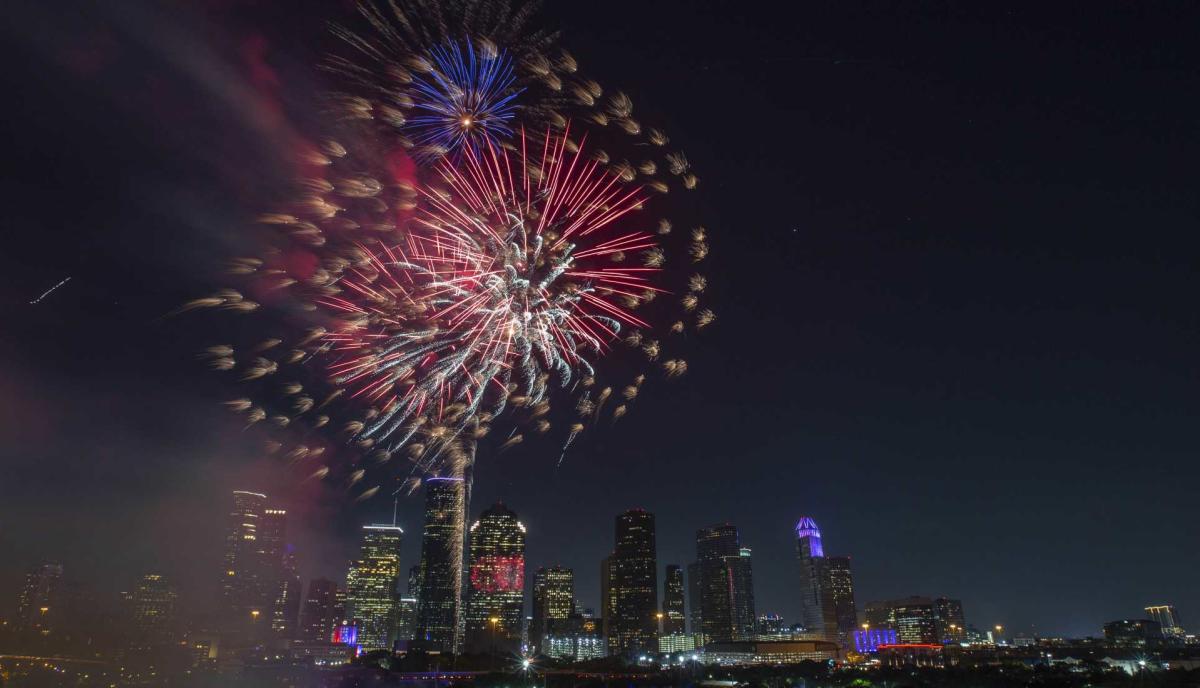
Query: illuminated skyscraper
[[633, 586], [372, 587], [248, 583], [1166, 617], [841, 586], [318, 616], [951, 623], [406, 619], [40, 607], [673, 606], [914, 620], [726, 585], [279, 572], [553, 602], [816, 596], [497, 582], [152, 608], [440, 575]]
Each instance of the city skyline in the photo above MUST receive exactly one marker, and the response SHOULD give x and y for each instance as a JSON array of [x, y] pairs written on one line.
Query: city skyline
[[972, 276], [375, 615]]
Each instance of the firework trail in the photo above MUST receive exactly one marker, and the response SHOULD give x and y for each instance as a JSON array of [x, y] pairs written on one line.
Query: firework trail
[[49, 291], [485, 240]]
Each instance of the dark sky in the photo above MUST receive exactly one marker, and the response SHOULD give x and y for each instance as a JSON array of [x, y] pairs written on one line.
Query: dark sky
[[955, 266]]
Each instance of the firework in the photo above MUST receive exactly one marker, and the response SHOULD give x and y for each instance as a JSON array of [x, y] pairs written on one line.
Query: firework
[[501, 290], [465, 101], [486, 234]]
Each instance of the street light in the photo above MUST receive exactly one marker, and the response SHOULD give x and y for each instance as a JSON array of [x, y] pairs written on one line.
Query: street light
[[494, 621]]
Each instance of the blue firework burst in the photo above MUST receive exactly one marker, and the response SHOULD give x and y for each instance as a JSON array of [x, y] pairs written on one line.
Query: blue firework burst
[[466, 100]]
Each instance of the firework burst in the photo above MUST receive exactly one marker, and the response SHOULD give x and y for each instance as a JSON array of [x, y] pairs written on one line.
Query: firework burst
[[502, 290], [452, 273], [465, 101]]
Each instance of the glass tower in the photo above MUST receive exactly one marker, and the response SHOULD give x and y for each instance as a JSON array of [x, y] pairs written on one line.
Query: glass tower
[[816, 596], [372, 587], [633, 585], [497, 581], [553, 602], [440, 575]]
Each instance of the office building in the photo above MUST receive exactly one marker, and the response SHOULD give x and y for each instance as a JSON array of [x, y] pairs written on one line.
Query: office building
[[40, 608], [495, 604], [744, 616], [817, 612], [152, 611], [726, 585], [915, 621], [318, 615], [372, 587], [951, 623], [245, 585], [1167, 619], [440, 575], [553, 602], [695, 603], [1133, 633], [674, 622], [841, 586], [632, 617], [406, 620], [577, 638]]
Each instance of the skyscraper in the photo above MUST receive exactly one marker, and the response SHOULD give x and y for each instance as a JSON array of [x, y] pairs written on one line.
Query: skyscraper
[[841, 585], [633, 586], [695, 597], [1166, 617], [40, 607], [280, 574], [816, 596], [152, 608], [916, 621], [372, 586], [497, 581], [318, 616], [440, 575], [608, 603], [553, 602], [726, 585], [673, 605], [245, 587], [950, 622], [406, 619]]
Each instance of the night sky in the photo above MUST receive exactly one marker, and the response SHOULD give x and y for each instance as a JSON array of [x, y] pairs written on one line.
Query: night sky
[[954, 266]]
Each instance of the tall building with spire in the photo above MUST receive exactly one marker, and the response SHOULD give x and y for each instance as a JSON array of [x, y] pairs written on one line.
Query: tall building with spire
[[633, 585], [816, 595], [440, 576], [674, 621], [496, 602], [553, 602], [372, 586]]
